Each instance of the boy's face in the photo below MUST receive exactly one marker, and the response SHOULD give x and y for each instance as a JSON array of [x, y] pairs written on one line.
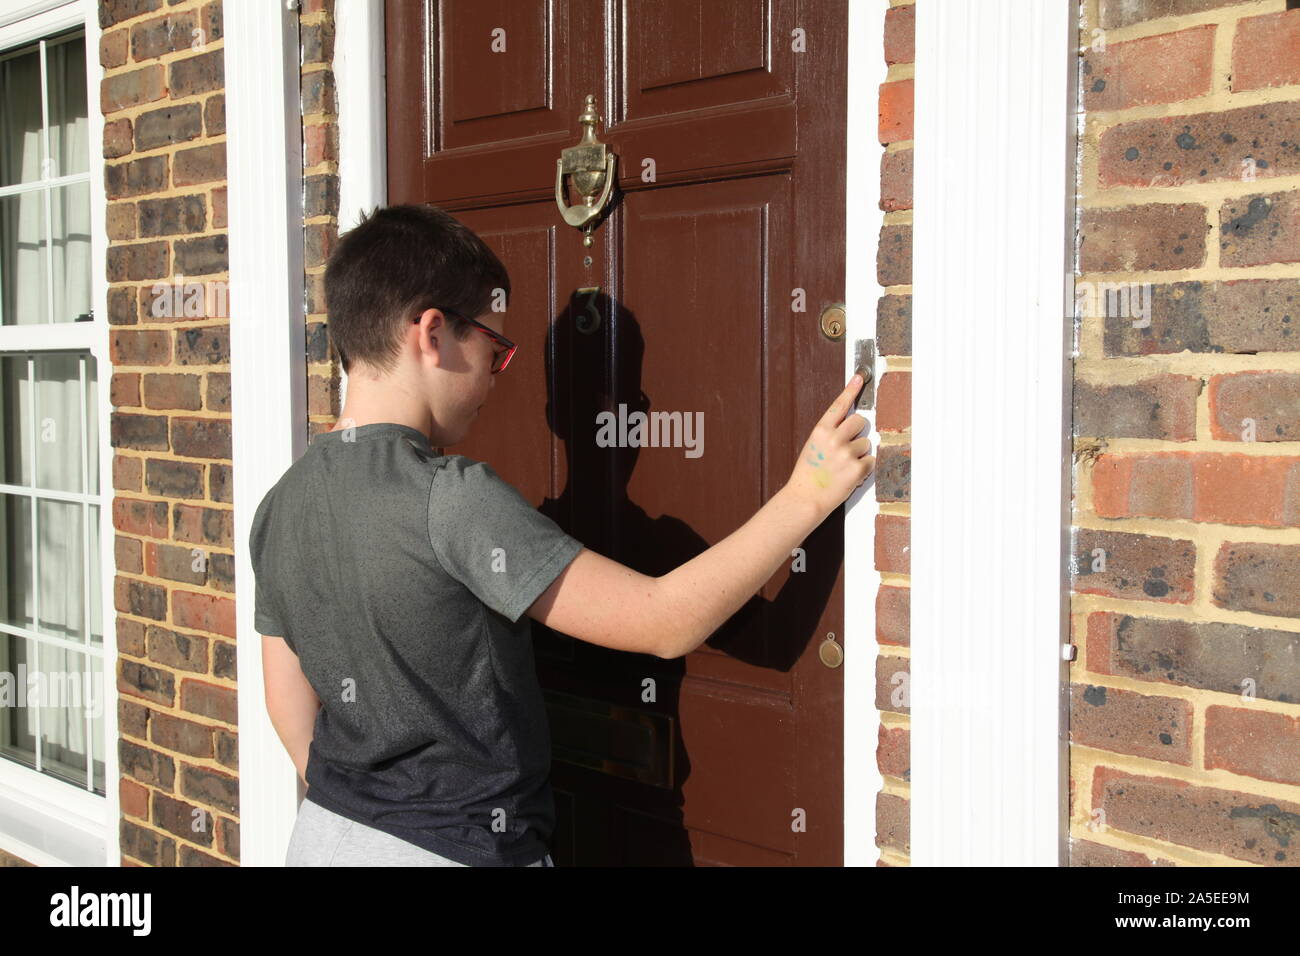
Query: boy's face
[[463, 377]]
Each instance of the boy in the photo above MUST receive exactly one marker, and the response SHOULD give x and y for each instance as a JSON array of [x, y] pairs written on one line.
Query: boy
[[396, 587]]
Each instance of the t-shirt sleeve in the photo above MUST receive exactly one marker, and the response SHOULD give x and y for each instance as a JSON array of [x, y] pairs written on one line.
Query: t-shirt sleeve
[[487, 536], [266, 619]]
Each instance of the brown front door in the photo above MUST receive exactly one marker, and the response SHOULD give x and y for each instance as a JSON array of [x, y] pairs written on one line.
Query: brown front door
[[723, 242]]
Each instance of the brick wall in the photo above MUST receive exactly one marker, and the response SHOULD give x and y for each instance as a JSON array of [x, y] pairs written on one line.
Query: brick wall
[[1185, 697], [894, 422], [165, 167], [164, 152], [320, 204]]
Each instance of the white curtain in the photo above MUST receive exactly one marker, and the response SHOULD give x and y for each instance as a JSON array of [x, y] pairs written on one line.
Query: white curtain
[[52, 380]]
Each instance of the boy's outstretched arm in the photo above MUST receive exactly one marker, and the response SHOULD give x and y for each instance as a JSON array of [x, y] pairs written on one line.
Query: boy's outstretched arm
[[603, 602], [290, 700]]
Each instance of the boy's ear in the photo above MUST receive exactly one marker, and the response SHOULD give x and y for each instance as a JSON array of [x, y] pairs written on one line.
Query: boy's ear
[[431, 332]]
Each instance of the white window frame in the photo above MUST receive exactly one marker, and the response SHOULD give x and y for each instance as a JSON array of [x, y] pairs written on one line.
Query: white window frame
[[43, 820], [993, 233]]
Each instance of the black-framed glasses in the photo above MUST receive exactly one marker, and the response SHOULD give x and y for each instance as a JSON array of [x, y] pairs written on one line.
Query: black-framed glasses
[[503, 355]]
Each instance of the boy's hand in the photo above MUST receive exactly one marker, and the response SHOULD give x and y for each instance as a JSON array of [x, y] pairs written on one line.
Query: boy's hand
[[833, 462]]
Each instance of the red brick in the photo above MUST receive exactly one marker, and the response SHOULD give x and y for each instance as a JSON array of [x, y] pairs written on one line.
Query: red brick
[[1090, 853], [203, 612], [900, 34], [1126, 722], [1255, 406], [1254, 743], [893, 687], [1266, 51], [893, 755], [1164, 68], [893, 544], [1146, 238], [896, 179], [893, 615], [1155, 485], [1243, 826], [1202, 147], [894, 402], [896, 105]]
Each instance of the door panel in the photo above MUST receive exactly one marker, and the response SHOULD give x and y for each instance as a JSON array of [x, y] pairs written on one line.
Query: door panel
[[729, 197]]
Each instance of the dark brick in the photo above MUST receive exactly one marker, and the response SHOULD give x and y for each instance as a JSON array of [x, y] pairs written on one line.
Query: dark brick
[[1151, 237], [166, 34], [1136, 566], [1263, 578], [201, 437], [1243, 826], [207, 345], [1162, 406], [894, 473], [197, 74], [168, 217], [1241, 317], [115, 11], [1259, 230], [143, 432], [147, 175], [204, 256], [177, 123], [173, 479], [1258, 141], [894, 325], [202, 164], [894, 257]]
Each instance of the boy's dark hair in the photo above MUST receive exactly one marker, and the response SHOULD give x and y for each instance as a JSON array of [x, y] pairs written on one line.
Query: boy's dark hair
[[395, 263]]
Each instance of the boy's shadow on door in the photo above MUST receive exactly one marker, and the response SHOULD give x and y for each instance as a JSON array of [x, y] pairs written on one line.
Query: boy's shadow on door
[[595, 508]]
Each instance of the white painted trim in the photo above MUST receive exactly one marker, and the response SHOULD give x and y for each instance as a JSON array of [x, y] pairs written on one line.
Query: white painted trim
[[360, 65], [992, 235], [863, 220], [268, 364]]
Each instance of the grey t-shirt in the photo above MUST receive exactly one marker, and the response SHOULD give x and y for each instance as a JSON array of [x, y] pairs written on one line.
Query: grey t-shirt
[[399, 578]]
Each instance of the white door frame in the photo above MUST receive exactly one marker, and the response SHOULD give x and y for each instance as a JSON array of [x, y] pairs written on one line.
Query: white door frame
[[268, 364], [992, 345], [863, 219]]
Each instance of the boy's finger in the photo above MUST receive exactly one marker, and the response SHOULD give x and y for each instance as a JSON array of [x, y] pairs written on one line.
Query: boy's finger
[[840, 407]]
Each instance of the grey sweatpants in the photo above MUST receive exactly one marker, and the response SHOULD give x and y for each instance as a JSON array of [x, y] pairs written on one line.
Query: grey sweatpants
[[323, 838]]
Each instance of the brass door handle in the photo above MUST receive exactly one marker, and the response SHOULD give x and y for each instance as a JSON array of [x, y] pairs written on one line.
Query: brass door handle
[[590, 164]]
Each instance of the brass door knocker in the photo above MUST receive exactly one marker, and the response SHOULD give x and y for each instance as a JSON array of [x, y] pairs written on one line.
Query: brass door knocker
[[590, 165]]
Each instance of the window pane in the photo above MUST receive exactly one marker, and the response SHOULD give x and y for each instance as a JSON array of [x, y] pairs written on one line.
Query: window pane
[[15, 410], [23, 268], [60, 554], [16, 591], [66, 88], [20, 118], [59, 402], [64, 694], [70, 213], [17, 735]]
